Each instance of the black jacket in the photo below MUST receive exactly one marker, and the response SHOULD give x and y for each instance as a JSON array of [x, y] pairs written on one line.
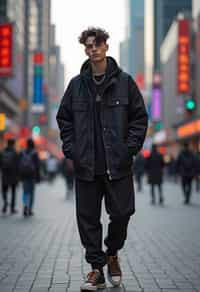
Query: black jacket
[[123, 119], [10, 175], [154, 168], [187, 164]]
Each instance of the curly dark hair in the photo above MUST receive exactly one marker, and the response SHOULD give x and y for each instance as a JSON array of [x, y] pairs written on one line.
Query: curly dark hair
[[100, 35]]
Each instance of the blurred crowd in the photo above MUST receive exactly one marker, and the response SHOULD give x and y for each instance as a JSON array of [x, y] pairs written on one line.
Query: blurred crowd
[[27, 169], [183, 169]]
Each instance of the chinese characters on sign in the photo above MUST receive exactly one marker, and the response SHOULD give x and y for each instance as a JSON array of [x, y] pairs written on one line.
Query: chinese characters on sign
[[183, 57], [6, 32]]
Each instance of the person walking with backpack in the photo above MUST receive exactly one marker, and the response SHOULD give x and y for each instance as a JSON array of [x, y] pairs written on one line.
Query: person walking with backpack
[[29, 169], [9, 162], [103, 122], [187, 168]]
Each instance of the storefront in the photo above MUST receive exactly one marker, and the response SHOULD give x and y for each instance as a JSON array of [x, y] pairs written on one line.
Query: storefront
[[189, 132]]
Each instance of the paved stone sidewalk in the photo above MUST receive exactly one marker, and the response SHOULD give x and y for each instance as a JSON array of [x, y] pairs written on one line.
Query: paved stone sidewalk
[[43, 253]]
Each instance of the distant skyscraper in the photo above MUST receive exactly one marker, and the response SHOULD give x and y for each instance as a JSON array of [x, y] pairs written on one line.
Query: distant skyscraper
[[56, 78], [124, 55], [135, 36]]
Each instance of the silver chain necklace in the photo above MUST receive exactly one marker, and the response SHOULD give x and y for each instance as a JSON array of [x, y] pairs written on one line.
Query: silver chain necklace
[[100, 81]]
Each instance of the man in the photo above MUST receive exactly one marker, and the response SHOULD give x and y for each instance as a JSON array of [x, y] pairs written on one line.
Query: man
[[187, 168], [154, 168], [9, 170], [103, 122]]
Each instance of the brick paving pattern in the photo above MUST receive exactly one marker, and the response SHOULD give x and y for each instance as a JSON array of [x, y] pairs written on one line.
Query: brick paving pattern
[[43, 253]]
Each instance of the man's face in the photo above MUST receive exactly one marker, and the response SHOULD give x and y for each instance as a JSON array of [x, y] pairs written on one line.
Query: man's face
[[95, 50]]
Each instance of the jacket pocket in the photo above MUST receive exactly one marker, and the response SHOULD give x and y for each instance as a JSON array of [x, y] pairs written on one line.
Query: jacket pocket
[[79, 106], [122, 159]]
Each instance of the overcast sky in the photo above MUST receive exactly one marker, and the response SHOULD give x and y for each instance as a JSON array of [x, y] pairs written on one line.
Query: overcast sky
[[73, 16]]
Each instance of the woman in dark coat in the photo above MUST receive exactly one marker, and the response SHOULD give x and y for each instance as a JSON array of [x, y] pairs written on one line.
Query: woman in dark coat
[[9, 175], [154, 168]]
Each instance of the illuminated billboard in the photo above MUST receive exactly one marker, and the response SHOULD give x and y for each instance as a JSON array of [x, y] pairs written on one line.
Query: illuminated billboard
[[38, 94], [183, 57], [6, 39]]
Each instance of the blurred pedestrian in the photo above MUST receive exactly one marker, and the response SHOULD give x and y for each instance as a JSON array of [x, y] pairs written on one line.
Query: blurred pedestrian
[[67, 169], [187, 168], [197, 176], [154, 168], [139, 168], [51, 167], [29, 169], [103, 122], [9, 162]]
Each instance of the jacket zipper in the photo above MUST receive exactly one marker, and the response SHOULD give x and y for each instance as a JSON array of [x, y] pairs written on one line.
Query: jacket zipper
[[108, 171], [107, 163], [91, 104]]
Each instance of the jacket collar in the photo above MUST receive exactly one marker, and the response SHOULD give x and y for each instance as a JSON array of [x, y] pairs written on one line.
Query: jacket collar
[[112, 70]]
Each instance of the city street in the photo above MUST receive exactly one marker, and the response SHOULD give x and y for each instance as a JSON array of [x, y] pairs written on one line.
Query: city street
[[43, 253]]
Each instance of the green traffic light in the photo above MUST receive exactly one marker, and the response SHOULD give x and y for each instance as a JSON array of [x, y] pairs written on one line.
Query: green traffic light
[[36, 130], [190, 104], [158, 125], [37, 70]]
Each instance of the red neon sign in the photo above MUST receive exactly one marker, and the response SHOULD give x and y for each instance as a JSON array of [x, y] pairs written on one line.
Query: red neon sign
[[38, 58], [183, 57], [6, 66]]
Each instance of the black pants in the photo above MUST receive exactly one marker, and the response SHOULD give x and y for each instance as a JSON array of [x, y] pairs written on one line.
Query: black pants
[[187, 188], [119, 204], [139, 178], [5, 188], [153, 192]]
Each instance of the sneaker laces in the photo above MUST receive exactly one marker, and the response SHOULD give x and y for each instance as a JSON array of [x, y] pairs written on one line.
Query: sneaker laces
[[114, 264], [92, 276]]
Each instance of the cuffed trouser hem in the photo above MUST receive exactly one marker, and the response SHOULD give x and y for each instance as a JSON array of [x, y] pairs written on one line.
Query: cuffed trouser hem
[[97, 267]]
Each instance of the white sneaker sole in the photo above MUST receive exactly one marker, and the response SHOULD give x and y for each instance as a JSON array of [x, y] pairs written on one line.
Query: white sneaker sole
[[114, 283], [90, 288]]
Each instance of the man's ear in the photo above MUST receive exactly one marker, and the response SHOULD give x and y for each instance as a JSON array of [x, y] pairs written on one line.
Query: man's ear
[[86, 52], [107, 47]]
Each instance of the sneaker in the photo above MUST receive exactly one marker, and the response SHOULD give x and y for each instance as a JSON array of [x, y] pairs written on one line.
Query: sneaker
[[114, 271], [25, 212], [13, 211], [4, 209], [161, 201], [95, 280], [31, 213]]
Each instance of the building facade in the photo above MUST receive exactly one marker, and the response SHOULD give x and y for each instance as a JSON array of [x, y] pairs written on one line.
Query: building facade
[[196, 21], [159, 15], [178, 62], [11, 88]]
